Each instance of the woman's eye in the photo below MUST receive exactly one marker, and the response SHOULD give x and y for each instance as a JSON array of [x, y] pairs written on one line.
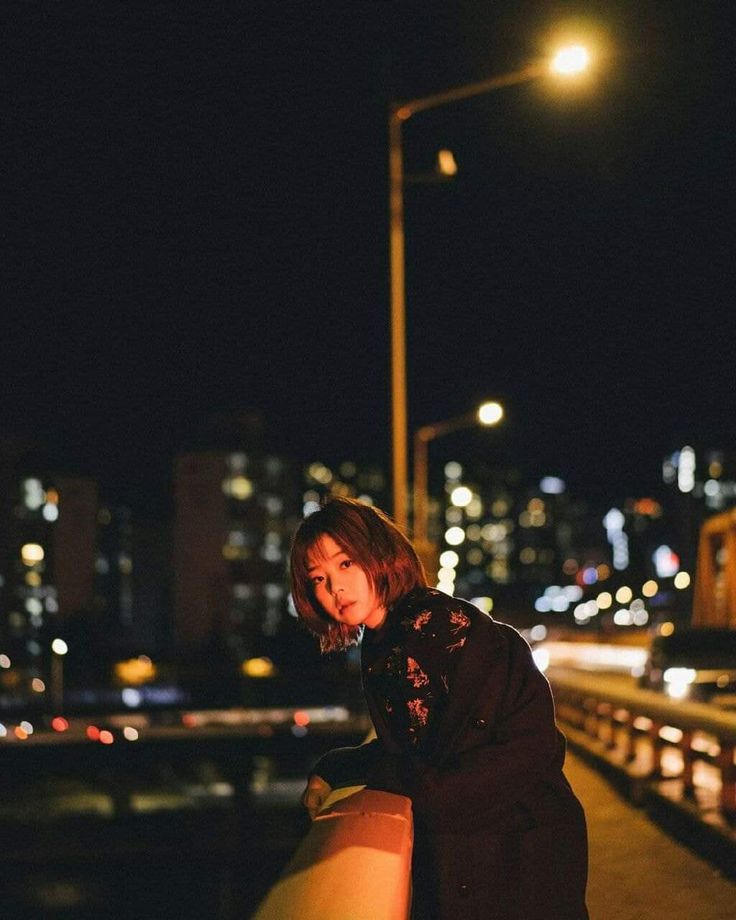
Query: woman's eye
[[316, 579], [346, 563]]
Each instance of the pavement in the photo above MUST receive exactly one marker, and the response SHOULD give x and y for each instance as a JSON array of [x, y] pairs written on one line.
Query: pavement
[[635, 870]]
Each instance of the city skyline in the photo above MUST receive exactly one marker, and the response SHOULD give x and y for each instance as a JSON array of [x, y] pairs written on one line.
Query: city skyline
[[198, 223]]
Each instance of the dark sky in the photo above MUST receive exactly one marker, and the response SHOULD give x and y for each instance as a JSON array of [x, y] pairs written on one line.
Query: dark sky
[[195, 219]]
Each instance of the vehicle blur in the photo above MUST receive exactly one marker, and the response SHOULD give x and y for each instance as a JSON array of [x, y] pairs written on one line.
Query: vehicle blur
[[697, 664]]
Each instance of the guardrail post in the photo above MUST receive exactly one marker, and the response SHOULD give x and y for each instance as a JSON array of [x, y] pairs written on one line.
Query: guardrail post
[[630, 738], [688, 759], [657, 748]]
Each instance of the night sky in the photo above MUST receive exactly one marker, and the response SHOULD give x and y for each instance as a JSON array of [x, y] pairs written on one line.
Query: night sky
[[195, 215]]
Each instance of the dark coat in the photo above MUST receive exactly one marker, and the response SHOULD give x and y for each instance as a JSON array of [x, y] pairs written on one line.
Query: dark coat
[[499, 834]]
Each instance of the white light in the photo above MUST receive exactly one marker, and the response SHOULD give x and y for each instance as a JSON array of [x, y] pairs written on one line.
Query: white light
[[490, 413], [686, 470], [453, 470], [538, 633], [571, 60], [541, 658], [622, 617], [682, 580], [679, 675], [461, 496], [59, 647], [543, 604], [449, 559], [130, 733], [552, 485], [573, 592], [132, 697], [666, 562], [50, 512], [454, 536]]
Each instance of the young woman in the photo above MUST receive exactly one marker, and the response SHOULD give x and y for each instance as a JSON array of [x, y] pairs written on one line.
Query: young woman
[[464, 720]]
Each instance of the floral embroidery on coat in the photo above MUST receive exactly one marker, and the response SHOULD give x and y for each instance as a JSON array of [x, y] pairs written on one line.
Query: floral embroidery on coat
[[414, 674], [411, 669]]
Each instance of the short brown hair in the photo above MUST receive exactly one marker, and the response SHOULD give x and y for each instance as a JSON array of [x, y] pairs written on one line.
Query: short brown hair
[[374, 542]]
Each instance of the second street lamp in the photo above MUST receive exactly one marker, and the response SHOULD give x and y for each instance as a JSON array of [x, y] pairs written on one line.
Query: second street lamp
[[488, 414], [567, 62]]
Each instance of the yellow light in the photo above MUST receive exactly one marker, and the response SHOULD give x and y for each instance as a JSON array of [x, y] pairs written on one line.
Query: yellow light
[[258, 667], [38, 685], [31, 553], [240, 487], [490, 413], [649, 588], [666, 629], [624, 595], [461, 496], [446, 164], [682, 580], [604, 600], [571, 60], [135, 671]]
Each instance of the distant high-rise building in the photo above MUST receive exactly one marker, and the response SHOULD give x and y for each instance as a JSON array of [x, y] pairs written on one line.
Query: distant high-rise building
[[234, 514]]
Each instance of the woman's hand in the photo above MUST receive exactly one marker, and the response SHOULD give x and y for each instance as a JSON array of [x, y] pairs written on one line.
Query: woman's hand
[[315, 795]]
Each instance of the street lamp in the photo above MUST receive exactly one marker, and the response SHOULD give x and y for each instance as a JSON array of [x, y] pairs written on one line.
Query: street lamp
[[59, 648], [488, 414], [569, 61]]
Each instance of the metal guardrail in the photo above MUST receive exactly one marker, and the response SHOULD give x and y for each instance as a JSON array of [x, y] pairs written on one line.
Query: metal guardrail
[[605, 711]]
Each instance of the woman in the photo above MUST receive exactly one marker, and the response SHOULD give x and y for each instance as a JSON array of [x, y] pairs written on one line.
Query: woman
[[464, 721]]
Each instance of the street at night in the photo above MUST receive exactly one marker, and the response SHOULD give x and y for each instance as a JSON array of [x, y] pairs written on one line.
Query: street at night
[[466, 264]]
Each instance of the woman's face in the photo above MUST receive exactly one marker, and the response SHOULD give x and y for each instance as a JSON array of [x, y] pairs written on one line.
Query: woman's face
[[341, 587]]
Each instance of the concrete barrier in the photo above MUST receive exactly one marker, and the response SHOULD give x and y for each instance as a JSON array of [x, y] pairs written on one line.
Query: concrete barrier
[[353, 864]]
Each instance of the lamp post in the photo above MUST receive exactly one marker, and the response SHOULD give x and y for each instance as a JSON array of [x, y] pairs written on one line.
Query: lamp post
[[59, 648], [567, 62], [488, 414]]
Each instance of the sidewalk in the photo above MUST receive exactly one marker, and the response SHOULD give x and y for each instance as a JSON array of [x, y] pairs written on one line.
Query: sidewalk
[[636, 870]]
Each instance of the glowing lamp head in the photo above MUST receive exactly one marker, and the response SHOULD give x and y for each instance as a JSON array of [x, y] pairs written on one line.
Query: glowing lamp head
[[490, 413], [571, 60]]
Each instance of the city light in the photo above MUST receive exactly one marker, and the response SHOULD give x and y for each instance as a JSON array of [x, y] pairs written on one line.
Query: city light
[[59, 647], [32, 553], [569, 61], [490, 413]]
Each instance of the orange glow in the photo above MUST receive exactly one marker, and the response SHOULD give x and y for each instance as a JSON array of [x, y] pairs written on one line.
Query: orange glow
[[93, 733], [59, 724], [648, 507], [20, 733], [301, 717], [52, 497], [106, 737], [603, 571], [189, 720]]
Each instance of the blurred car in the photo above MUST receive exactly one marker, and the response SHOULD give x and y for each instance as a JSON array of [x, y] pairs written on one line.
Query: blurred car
[[697, 664]]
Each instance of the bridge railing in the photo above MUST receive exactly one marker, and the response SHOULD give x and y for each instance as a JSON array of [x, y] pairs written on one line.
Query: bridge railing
[[619, 717], [355, 861]]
